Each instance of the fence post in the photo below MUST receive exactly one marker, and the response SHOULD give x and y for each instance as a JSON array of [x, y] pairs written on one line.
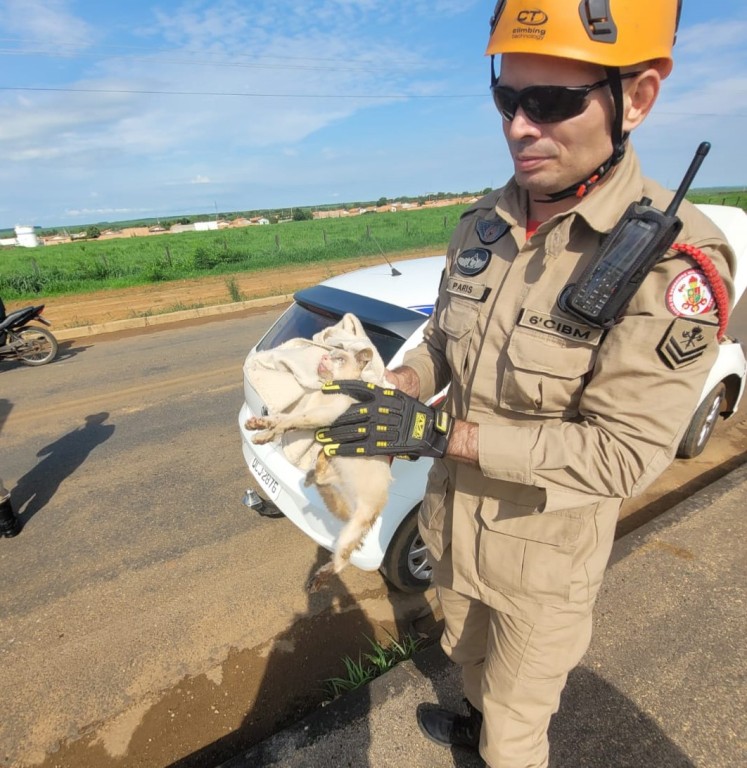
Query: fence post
[[277, 242]]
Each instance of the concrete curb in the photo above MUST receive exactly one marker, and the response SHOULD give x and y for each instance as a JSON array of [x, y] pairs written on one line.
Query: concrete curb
[[169, 317], [699, 501]]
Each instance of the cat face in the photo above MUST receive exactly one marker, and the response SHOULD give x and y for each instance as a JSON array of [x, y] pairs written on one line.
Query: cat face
[[342, 364]]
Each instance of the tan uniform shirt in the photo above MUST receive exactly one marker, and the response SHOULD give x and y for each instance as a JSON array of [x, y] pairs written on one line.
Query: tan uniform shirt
[[572, 419]]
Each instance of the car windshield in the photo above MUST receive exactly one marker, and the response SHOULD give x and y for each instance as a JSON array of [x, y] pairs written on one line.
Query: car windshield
[[304, 319], [300, 322]]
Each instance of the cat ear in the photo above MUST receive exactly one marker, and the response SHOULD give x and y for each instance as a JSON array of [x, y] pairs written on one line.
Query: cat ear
[[364, 357]]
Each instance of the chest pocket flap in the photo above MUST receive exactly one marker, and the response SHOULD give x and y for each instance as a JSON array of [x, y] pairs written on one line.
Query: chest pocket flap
[[458, 317], [545, 376]]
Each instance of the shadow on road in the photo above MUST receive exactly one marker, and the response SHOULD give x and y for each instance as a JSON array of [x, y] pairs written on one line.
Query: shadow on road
[[5, 408], [66, 350], [69, 349], [599, 725], [60, 460], [302, 658], [596, 725]]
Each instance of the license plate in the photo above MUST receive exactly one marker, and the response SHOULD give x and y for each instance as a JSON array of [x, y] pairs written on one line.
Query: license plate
[[270, 485]]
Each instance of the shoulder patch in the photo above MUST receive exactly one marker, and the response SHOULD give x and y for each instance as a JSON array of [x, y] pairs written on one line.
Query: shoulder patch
[[473, 261], [689, 294], [491, 230], [685, 342]]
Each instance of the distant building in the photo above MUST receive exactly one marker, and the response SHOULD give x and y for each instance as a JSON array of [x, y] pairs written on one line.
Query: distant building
[[198, 226], [177, 228], [25, 238]]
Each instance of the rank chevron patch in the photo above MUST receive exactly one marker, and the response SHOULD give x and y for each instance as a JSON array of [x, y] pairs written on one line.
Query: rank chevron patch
[[685, 342]]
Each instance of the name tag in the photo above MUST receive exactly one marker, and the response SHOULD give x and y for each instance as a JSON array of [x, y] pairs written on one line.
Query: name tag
[[461, 287], [560, 326]]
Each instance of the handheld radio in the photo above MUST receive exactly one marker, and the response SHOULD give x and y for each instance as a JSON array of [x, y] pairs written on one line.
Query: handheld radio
[[628, 254]]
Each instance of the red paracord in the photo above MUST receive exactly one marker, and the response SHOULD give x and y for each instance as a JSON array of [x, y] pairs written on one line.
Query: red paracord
[[720, 294]]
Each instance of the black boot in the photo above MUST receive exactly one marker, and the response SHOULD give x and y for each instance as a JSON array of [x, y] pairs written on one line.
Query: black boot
[[450, 728], [10, 525]]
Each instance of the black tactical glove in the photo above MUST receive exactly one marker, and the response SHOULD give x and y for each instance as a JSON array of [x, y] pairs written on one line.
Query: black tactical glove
[[387, 422]]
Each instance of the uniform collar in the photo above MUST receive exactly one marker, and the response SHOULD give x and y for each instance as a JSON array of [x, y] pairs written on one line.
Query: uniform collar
[[605, 205], [601, 209], [512, 204]]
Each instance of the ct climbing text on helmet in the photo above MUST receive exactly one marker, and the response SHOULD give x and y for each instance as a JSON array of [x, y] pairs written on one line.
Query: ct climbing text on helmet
[[611, 33]]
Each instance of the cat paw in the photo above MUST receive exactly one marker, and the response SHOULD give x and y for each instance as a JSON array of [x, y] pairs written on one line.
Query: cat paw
[[257, 422], [264, 437]]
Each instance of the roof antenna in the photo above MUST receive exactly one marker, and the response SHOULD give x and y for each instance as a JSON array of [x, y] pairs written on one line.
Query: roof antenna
[[395, 271]]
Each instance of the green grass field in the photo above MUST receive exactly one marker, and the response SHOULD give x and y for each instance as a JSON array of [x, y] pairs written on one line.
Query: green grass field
[[95, 264], [736, 197], [98, 264]]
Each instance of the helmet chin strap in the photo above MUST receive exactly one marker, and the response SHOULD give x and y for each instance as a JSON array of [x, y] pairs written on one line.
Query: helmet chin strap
[[619, 142]]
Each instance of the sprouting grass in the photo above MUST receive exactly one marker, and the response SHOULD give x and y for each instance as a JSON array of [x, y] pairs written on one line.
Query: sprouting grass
[[234, 290], [371, 665], [179, 306]]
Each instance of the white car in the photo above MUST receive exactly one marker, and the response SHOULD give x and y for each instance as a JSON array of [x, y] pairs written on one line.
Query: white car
[[393, 303]]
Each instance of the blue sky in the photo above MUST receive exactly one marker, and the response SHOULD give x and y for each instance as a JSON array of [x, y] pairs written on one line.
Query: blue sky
[[108, 113]]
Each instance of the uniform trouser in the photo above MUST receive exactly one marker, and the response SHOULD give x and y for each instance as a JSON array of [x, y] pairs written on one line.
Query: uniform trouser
[[514, 672]]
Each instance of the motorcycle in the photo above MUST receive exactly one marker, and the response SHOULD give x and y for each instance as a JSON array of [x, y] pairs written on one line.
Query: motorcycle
[[30, 344]]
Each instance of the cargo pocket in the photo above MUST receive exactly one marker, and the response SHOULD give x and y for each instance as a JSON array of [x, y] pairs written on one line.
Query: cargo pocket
[[457, 320], [434, 526], [543, 376], [528, 555]]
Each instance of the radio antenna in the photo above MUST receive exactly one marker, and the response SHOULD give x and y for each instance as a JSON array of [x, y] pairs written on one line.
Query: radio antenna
[[697, 161], [395, 271]]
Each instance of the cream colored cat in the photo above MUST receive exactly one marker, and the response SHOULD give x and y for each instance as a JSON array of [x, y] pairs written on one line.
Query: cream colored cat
[[355, 489]]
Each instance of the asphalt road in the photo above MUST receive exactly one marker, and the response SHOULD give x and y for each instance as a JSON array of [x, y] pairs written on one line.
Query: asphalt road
[[141, 593], [148, 618]]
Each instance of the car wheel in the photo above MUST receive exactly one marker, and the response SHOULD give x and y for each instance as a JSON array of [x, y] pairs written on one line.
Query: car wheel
[[405, 563], [702, 423]]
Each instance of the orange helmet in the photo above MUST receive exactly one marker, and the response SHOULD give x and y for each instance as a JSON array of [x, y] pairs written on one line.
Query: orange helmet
[[611, 33]]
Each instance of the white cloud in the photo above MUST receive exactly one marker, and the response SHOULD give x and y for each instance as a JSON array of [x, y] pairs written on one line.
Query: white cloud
[[705, 99], [227, 48], [45, 21], [88, 212], [161, 150]]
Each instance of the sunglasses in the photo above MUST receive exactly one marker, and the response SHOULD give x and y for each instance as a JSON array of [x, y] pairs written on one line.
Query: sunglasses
[[546, 103]]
